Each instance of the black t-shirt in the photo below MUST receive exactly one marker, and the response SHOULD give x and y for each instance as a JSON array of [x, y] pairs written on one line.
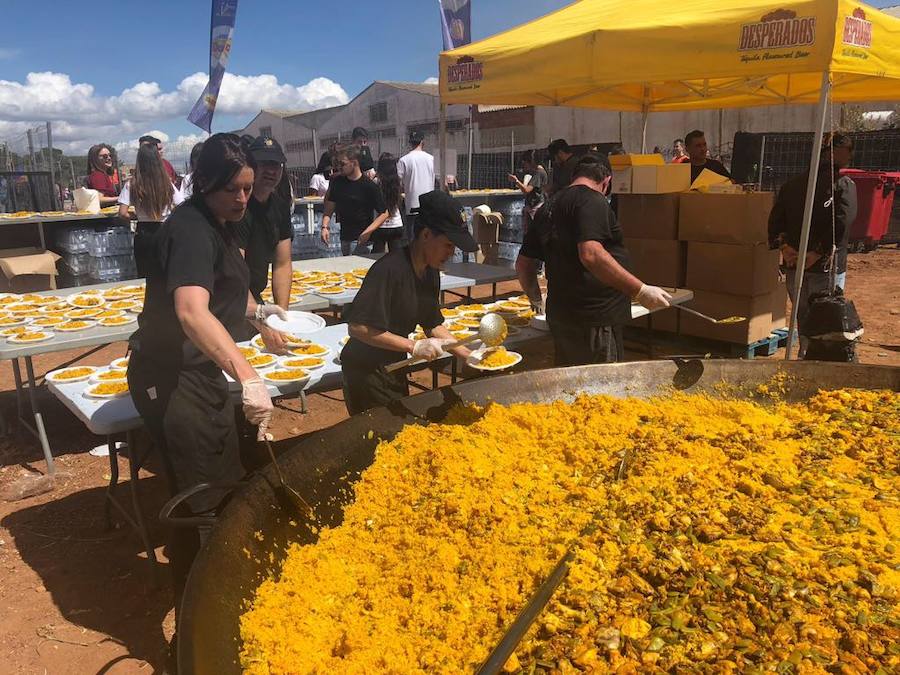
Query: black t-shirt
[[191, 250], [366, 163], [393, 299], [578, 214], [713, 165], [357, 202], [263, 227], [562, 173]]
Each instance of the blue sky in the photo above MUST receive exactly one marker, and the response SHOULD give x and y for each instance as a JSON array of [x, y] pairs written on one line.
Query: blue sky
[[350, 43], [287, 53]]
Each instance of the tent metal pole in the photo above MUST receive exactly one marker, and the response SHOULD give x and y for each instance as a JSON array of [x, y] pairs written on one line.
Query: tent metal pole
[[818, 131], [442, 141], [645, 114]]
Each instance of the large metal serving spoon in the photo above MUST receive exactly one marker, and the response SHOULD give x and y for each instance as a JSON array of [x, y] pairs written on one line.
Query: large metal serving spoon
[[293, 496], [726, 320], [492, 332]]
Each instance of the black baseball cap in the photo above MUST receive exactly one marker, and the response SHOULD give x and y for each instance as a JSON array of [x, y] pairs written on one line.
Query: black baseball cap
[[438, 211], [149, 139], [265, 149]]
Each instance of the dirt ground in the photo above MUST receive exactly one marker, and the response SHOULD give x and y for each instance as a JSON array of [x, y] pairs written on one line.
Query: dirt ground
[[78, 598]]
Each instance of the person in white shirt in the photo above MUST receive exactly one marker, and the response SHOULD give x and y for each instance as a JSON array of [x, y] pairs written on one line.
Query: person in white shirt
[[318, 184], [390, 233], [416, 172], [187, 183], [153, 196]]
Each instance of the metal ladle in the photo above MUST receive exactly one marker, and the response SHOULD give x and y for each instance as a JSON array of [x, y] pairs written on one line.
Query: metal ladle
[[294, 496], [491, 331], [726, 320]]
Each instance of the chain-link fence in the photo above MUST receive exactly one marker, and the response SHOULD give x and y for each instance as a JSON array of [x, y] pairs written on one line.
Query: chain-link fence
[[30, 172], [770, 160]]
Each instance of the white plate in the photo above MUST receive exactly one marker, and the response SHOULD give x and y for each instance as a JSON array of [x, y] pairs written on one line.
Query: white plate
[[298, 323], [282, 362], [119, 364], [47, 321], [255, 351], [122, 321], [12, 321], [95, 378], [88, 313], [323, 355], [55, 375], [474, 361], [90, 323], [47, 336], [74, 298], [539, 321], [88, 393], [266, 366], [267, 377]]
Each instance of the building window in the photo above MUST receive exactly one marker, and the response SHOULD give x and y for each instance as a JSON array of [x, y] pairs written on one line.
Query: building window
[[265, 131], [378, 112]]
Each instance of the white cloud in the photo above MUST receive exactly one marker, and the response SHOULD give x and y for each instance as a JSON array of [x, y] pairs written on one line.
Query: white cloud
[[80, 117], [431, 80]]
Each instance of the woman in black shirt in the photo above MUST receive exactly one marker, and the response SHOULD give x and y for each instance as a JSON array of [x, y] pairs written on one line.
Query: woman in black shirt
[[401, 290], [196, 301]]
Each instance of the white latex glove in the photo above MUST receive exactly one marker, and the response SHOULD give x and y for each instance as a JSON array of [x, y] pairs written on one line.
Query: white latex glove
[[257, 404], [652, 297], [430, 349], [263, 312]]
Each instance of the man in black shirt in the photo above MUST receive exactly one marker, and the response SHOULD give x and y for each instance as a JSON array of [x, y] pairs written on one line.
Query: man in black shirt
[[695, 143], [564, 161], [360, 138], [357, 200], [590, 287], [264, 235], [401, 290]]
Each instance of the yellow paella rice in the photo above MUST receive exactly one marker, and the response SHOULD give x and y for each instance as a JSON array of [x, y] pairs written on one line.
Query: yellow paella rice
[[742, 537], [497, 358]]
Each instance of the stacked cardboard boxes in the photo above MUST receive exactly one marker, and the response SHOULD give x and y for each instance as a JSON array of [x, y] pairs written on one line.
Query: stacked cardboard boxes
[[650, 225], [729, 265], [715, 245]]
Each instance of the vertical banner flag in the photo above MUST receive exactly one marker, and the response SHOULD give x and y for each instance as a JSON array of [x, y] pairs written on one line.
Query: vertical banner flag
[[220, 33], [456, 22]]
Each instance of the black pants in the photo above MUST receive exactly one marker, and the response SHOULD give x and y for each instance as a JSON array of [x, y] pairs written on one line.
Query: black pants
[[190, 417], [577, 344], [144, 245], [391, 237], [370, 389]]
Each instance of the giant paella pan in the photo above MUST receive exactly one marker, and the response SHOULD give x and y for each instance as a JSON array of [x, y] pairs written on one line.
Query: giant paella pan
[[715, 516]]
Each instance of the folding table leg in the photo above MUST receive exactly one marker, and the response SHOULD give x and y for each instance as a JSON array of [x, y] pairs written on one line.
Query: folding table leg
[[17, 374], [113, 481], [38, 418], [133, 472], [304, 406]]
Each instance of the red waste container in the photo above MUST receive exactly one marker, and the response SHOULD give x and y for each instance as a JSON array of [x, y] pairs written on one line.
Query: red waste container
[[875, 199]]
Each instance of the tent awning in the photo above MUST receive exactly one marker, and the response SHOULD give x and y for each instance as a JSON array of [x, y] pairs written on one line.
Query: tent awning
[[658, 55]]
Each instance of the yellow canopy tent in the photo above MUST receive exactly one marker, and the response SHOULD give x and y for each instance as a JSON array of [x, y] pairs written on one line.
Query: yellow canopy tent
[[659, 55]]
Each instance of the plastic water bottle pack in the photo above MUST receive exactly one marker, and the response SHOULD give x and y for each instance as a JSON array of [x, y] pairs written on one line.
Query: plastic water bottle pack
[[111, 242], [73, 240]]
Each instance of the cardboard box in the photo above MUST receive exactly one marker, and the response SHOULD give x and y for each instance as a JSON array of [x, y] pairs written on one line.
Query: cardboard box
[[486, 227], [757, 310], [724, 218], [665, 320], [649, 216], [657, 261], [653, 159], [25, 270], [621, 181], [651, 180], [740, 269]]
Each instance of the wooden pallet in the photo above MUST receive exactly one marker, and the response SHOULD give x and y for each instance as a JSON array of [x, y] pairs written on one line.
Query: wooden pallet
[[767, 346]]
